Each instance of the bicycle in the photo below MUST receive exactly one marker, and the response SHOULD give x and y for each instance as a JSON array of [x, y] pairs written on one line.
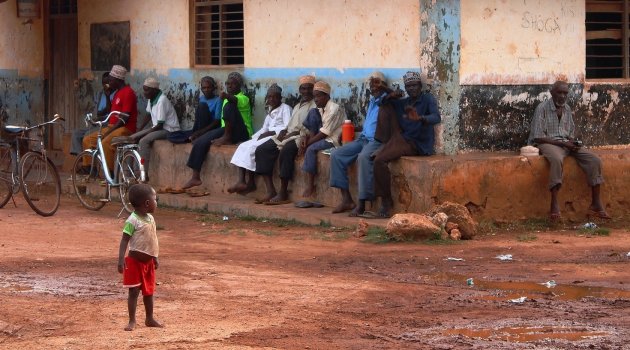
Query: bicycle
[[33, 173], [93, 186]]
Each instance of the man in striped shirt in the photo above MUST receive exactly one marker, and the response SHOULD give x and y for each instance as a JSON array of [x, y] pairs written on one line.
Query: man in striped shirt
[[553, 132]]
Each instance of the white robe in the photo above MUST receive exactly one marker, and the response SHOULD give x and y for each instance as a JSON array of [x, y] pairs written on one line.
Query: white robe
[[277, 120]]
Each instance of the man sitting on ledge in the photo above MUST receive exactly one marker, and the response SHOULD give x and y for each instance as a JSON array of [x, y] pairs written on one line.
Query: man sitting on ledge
[[552, 131]]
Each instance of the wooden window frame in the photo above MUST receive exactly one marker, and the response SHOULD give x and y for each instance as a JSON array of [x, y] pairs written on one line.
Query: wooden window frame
[[222, 48], [622, 34]]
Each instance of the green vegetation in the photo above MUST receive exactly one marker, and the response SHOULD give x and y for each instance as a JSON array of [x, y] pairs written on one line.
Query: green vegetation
[[526, 237], [599, 231], [377, 235]]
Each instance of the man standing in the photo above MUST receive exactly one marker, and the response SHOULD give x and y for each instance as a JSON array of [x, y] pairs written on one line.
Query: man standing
[[124, 101], [361, 151], [553, 132], [416, 116]]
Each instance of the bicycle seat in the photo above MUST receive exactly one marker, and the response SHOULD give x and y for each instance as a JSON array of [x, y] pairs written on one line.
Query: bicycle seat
[[12, 129]]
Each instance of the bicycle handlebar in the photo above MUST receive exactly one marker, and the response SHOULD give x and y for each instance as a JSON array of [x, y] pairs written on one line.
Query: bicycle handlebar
[[88, 118], [56, 118]]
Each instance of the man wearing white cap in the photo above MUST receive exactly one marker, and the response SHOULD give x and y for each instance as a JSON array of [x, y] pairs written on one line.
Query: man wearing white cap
[[124, 101], [162, 115], [328, 135]]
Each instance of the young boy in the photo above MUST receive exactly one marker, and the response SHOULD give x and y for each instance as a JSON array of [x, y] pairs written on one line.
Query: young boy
[[138, 268]]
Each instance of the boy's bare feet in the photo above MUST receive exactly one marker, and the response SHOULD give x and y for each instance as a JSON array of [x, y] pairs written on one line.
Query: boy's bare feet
[[130, 326], [238, 187], [152, 322]]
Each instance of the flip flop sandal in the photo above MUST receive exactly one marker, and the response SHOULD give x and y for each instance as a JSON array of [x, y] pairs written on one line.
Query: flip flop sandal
[[175, 190], [317, 205], [286, 201], [602, 214], [303, 204], [198, 194]]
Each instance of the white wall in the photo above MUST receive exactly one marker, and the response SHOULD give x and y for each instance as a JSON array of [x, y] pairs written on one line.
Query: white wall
[[332, 33], [522, 42]]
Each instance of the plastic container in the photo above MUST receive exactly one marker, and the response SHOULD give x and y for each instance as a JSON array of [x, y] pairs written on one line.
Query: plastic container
[[347, 131]]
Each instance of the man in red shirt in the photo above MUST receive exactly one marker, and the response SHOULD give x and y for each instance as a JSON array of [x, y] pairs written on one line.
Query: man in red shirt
[[124, 101]]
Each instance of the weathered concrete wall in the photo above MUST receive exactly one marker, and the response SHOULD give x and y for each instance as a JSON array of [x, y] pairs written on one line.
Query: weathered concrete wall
[[493, 186], [522, 42], [21, 67], [499, 117], [278, 49], [440, 60]]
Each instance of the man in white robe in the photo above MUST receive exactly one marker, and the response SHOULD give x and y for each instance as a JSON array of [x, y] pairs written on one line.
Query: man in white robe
[[244, 158]]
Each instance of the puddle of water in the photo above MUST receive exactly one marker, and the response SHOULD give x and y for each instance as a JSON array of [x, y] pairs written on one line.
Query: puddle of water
[[532, 289], [67, 286], [528, 334]]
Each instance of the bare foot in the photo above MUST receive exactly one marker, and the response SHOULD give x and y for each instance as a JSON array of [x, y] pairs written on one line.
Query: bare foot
[[358, 210], [238, 187], [191, 183], [268, 197], [279, 198], [153, 323], [130, 326], [248, 188], [309, 192], [344, 207]]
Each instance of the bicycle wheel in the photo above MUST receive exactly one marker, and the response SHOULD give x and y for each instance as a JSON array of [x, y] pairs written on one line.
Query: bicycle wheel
[[129, 174], [40, 183], [87, 183], [6, 175]]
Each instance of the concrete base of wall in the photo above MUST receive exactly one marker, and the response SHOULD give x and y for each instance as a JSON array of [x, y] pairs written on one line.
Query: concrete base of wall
[[494, 186]]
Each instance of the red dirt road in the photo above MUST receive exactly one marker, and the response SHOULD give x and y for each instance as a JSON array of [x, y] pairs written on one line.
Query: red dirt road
[[244, 284]]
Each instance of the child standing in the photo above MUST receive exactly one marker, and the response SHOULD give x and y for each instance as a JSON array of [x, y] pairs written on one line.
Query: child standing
[[138, 268]]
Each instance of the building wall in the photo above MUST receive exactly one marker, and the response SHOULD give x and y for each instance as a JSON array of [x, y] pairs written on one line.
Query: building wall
[[347, 42], [511, 51], [21, 67]]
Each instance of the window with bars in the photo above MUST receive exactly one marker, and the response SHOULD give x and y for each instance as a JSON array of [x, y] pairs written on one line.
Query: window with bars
[[218, 32], [607, 39]]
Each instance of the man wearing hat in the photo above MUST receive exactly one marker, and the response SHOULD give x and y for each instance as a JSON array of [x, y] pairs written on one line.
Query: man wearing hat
[[235, 127], [417, 114], [244, 157], [361, 151], [162, 116], [124, 101], [332, 116], [284, 146]]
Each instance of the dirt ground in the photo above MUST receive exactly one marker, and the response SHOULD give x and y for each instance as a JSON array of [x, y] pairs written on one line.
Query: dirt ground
[[254, 284]]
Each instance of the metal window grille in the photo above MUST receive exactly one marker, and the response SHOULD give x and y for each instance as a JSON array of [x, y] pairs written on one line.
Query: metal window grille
[[218, 32], [607, 39]]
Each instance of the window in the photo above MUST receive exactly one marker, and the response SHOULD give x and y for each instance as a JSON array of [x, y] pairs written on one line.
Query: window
[[607, 39], [218, 32]]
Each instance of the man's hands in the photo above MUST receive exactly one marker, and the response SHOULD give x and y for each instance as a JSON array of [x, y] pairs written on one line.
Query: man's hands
[[412, 114], [570, 145], [265, 134], [282, 134], [121, 266]]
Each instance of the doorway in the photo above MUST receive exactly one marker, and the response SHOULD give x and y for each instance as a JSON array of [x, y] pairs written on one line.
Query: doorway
[[63, 78]]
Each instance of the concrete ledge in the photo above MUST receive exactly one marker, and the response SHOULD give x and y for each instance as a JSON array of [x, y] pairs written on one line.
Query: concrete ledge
[[494, 186]]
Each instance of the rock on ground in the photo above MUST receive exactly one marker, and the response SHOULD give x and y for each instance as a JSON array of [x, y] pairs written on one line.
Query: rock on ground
[[459, 215], [405, 227]]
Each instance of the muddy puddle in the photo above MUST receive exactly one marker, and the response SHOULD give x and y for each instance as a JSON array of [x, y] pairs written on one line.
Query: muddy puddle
[[528, 334], [59, 286], [512, 290]]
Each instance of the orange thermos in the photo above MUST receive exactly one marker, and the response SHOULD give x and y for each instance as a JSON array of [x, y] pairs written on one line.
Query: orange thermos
[[347, 131]]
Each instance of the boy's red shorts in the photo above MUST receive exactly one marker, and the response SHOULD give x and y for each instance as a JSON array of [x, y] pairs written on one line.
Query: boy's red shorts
[[139, 274]]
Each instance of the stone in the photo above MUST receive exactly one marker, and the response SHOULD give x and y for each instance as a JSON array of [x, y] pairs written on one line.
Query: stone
[[455, 234], [406, 227], [459, 215], [362, 229], [450, 226], [439, 219]]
